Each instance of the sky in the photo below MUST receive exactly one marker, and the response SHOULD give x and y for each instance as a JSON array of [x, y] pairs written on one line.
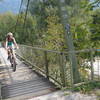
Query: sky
[[10, 6]]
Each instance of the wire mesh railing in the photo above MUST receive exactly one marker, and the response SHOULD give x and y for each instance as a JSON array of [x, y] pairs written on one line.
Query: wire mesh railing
[[57, 67], [89, 67]]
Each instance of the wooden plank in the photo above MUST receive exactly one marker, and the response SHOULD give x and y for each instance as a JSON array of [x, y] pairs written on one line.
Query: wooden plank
[[34, 84], [27, 91], [31, 95]]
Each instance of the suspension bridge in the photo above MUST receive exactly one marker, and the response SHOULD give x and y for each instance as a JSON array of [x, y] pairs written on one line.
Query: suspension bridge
[[41, 71]]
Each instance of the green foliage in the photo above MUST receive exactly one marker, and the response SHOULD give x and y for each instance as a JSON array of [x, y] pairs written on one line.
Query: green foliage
[[43, 25], [95, 28], [26, 32], [7, 21], [49, 28], [80, 25], [86, 88], [54, 34]]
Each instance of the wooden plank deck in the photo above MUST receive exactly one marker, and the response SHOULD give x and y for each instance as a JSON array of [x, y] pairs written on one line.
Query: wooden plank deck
[[23, 84]]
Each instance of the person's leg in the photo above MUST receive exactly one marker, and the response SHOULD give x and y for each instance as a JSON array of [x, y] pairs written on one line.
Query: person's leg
[[13, 52], [8, 51]]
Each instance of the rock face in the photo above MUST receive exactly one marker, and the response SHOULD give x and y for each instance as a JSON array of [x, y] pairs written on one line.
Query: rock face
[[78, 96], [60, 95]]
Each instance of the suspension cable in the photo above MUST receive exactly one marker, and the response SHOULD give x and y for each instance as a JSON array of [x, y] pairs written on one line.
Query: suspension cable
[[17, 17], [26, 14], [19, 14]]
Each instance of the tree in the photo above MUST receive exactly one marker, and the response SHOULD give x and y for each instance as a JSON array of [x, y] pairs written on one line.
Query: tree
[[6, 22], [95, 28]]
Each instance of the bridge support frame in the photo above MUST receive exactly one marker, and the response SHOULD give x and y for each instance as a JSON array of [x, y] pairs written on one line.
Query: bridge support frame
[[69, 41]]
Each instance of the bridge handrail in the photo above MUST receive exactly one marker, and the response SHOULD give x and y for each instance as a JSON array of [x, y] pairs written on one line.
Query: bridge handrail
[[60, 60], [65, 52], [41, 49]]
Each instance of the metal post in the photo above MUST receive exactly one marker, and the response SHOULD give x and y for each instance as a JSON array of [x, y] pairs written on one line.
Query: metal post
[[91, 58], [46, 64], [23, 51], [69, 41], [30, 57]]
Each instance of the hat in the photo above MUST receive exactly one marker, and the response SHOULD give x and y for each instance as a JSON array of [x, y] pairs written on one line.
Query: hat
[[9, 34]]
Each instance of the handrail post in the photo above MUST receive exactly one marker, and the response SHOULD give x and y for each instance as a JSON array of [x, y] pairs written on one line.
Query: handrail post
[[46, 64], [69, 40], [92, 71], [62, 69], [23, 51]]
